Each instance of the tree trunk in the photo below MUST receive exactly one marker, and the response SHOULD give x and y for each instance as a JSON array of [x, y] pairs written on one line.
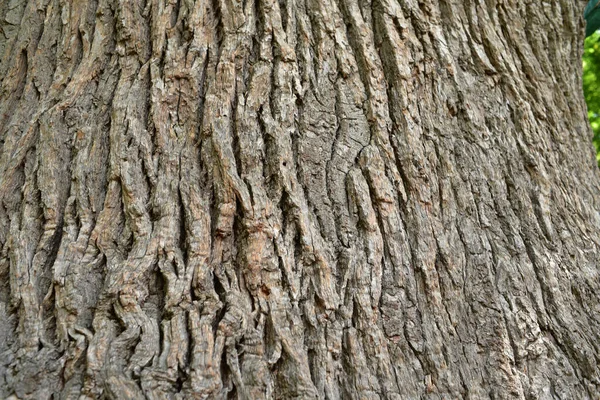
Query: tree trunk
[[332, 199]]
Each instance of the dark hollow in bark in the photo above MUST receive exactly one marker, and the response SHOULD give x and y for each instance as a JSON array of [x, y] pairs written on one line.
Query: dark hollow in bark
[[333, 199]]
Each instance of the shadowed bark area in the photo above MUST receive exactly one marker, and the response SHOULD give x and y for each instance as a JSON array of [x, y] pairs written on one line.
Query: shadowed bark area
[[311, 199]]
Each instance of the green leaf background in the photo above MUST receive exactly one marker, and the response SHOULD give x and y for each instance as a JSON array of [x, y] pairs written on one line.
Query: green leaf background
[[591, 85]]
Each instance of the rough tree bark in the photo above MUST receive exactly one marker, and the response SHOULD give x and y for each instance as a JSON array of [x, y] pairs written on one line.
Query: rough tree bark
[[354, 199]]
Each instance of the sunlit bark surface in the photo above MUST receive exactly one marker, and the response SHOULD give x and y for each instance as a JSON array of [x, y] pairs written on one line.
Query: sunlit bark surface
[[332, 199]]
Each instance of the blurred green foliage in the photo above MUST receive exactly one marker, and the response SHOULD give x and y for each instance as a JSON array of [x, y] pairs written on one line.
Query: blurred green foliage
[[591, 85]]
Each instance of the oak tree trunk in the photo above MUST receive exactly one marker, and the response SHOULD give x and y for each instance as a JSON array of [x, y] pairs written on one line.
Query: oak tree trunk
[[332, 199]]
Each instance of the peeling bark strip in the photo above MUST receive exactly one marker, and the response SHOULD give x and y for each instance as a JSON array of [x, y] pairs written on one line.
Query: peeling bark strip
[[312, 199]]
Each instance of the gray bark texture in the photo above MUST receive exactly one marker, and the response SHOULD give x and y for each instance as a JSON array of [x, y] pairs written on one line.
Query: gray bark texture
[[296, 199]]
